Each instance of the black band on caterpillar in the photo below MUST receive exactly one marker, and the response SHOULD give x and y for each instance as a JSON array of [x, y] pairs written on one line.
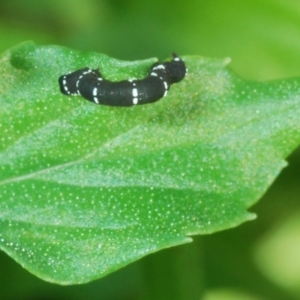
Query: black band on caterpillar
[[92, 86]]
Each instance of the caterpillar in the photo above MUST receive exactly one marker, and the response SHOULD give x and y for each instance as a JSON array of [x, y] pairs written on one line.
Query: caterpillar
[[90, 84]]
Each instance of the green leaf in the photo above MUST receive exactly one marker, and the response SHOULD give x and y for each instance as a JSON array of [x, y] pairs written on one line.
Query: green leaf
[[86, 189]]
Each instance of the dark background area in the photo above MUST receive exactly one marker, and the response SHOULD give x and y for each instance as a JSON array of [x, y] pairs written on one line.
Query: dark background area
[[263, 39]]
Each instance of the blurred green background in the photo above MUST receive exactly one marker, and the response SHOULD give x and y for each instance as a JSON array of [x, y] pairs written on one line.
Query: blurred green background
[[258, 260]]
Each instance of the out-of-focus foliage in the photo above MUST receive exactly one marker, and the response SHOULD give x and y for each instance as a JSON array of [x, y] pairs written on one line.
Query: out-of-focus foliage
[[284, 238], [262, 38]]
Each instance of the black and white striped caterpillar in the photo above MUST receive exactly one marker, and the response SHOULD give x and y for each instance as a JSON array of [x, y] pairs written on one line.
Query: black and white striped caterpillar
[[92, 86]]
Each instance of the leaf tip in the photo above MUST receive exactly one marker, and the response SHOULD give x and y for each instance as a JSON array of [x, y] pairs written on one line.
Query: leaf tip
[[251, 216]]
